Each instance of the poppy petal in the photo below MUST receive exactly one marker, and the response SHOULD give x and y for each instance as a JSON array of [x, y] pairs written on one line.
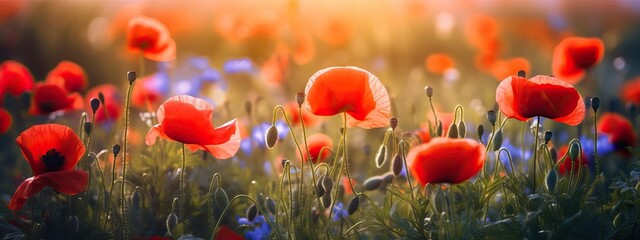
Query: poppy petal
[[5, 121], [198, 103], [151, 37], [573, 55], [576, 116], [446, 160], [165, 53], [226, 149], [505, 98], [37, 140], [68, 182], [70, 75], [15, 78]]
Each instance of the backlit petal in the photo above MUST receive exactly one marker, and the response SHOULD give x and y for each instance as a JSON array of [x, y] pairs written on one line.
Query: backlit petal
[[37, 140], [68, 182]]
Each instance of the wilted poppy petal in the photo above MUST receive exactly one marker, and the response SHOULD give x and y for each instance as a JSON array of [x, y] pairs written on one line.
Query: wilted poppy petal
[[225, 142], [37, 140], [68, 74], [68, 182], [352, 90], [315, 143], [5, 120], [446, 160], [574, 55], [15, 78]]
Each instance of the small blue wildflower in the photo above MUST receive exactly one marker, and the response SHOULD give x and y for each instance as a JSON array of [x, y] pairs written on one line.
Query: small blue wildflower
[[241, 65], [339, 212], [261, 229]]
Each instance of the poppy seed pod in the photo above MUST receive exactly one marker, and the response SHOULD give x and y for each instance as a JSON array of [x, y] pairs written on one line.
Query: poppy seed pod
[[497, 140], [372, 183], [116, 149], [132, 76], [462, 129], [574, 150], [95, 103], [480, 131], [271, 137], [429, 91], [551, 180], [353, 205], [595, 103], [393, 123], [453, 131], [547, 136], [492, 117], [172, 221], [300, 98], [252, 212], [381, 156], [397, 164]]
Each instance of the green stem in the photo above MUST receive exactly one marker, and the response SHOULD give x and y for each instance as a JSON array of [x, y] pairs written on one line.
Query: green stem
[[595, 153], [535, 152], [273, 229], [183, 196], [123, 207], [113, 183], [344, 153], [433, 110]]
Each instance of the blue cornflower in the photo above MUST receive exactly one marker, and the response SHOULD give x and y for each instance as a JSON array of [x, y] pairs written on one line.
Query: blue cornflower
[[259, 228], [241, 65], [339, 212]]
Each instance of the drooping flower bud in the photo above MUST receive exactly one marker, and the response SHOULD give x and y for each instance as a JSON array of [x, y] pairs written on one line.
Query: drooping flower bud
[[221, 198], [372, 183], [497, 140], [547, 136], [397, 164], [480, 131], [252, 212], [574, 149], [551, 180], [353, 205], [132, 76], [271, 137], [326, 200], [271, 205], [381, 156], [327, 183], [172, 221]]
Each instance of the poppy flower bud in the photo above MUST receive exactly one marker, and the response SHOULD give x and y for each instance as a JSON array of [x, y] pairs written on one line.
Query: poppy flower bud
[[497, 140], [381, 156], [326, 200], [252, 212], [595, 103], [492, 117], [397, 164], [387, 177], [551, 180], [221, 198], [453, 131], [353, 205], [116, 149], [574, 150], [95, 103], [101, 97], [74, 222], [372, 183], [480, 130], [320, 190], [327, 184], [132, 76], [300, 98], [271, 205], [172, 221], [393, 122], [439, 129], [271, 137], [547, 136], [522, 73], [87, 128], [429, 91], [462, 129]]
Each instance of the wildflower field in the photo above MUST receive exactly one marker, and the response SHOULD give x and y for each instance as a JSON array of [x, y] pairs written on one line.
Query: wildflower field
[[304, 119]]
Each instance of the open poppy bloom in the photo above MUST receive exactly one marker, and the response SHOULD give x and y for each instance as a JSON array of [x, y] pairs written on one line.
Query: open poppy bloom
[[446, 160], [52, 150], [574, 55], [5, 121], [112, 103], [187, 119], [150, 37], [564, 167], [543, 96], [630, 91], [68, 74], [316, 142], [352, 90], [15, 78], [618, 129], [52, 97], [438, 63]]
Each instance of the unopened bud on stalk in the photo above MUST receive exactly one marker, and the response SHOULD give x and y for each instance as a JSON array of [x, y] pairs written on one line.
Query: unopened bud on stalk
[[522, 73], [327, 183], [480, 131], [429, 91], [547, 136], [551, 180], [271, 205], [300, 98], [462, 129], [554, 155], [87, 128], [252, 212], [95, 104], [393, 123], [397, 164], [573, 151], [132, 76], [497, 140], [595, 103], [453, 131], [326, 200], [116, 149], [271, 137], [381, 156], [439, 129], [221, 198], [353, 205], [372, 183], [492, 117], [172, 221]]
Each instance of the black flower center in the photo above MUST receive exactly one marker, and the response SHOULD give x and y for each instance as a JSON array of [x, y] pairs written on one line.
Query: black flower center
[[53, 159]]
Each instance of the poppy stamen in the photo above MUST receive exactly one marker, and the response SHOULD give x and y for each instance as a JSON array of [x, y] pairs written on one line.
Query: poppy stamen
[[53, 159]]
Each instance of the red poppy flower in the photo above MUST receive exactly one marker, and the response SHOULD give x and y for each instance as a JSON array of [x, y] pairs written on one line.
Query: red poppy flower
[[316, 142], [619, 130], [52, 151], [336, 30], [543, 96], [5, 120], [630, 91], [502, 69], [150, 37], [446, 160], [352, 90], [564, 167], [112, 103], [145, 94], [225, 232], [574, 55], [438, 63], [68, 74], [51, 97], [15, 78], [309, 119], [480, 30], [187, 120]]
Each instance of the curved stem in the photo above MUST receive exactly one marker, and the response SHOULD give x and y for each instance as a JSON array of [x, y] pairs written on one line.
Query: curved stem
[[433, 110], [259, 210]]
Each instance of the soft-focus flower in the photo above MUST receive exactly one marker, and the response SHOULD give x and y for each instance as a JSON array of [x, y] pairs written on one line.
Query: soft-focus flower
[[352, 90], [260, 229], [618, 129], [480, 30], [151, 38], [68, 74], [574, 55], [188, 120], [564, 167], [111, 109], [225, 232], [502, 69], [543, 96], [630, 90], [15, 79], [308, 118], [51, 97], [336, 29], [274, 69], [239, 21], [5, 121], [257, 136], [240, 65], [149, 91], [446, 160], [316, 142], [438, 63], [52, 151], [339, 212]]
